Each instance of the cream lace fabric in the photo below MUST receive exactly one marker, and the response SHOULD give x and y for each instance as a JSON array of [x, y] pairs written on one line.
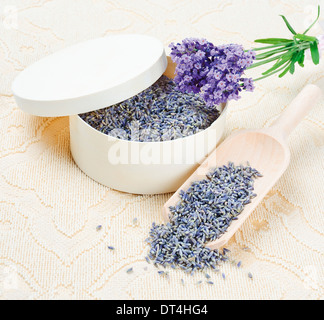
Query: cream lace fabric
[[49, 209]]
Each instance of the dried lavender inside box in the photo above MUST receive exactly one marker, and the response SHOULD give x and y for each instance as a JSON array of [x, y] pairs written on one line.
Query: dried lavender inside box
[[159, 113]]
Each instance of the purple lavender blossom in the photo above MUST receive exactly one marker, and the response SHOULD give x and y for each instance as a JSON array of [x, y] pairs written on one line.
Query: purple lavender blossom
[[215, 72]]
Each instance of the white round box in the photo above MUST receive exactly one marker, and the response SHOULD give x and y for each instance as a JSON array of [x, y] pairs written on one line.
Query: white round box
[[99, 73]]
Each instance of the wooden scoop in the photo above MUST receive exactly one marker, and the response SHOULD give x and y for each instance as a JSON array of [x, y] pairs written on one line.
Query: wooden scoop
[[266, 150]]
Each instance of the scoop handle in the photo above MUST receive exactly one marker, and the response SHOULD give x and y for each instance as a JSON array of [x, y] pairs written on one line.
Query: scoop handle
[[297, 110]]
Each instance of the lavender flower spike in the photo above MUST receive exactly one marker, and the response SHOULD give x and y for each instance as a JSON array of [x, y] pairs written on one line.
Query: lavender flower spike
[[215, 72]]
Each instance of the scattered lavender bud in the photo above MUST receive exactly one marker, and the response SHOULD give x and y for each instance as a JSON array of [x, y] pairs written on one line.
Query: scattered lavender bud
[[239, 264], [111, 248], [250, 275], [210, 282], [130, 270], [207, 276], [223, 276], [98, 228], [203, 214]]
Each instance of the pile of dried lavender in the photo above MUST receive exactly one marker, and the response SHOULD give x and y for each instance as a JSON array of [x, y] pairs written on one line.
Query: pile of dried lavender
[[159, 113], [203, 213]]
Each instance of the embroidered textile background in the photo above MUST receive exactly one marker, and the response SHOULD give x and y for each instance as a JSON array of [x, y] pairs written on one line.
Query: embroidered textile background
[[49, 209]]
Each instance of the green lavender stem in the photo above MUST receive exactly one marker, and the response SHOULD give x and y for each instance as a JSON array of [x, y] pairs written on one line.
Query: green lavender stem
[[271, 73], [286, 52]]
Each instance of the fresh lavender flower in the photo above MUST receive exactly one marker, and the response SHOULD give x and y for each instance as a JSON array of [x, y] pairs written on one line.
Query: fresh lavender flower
[[215, 72]]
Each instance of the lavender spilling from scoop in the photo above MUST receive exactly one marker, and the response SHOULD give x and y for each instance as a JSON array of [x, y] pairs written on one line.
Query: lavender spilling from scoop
[[203, 214]]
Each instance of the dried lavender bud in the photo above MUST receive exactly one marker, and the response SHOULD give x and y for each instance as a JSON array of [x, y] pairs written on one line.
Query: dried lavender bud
[[203, 214], [111, 248], [130, 270], [159, 113]]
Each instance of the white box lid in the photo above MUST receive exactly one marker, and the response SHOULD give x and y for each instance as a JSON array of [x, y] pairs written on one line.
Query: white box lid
[[90, 75]]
